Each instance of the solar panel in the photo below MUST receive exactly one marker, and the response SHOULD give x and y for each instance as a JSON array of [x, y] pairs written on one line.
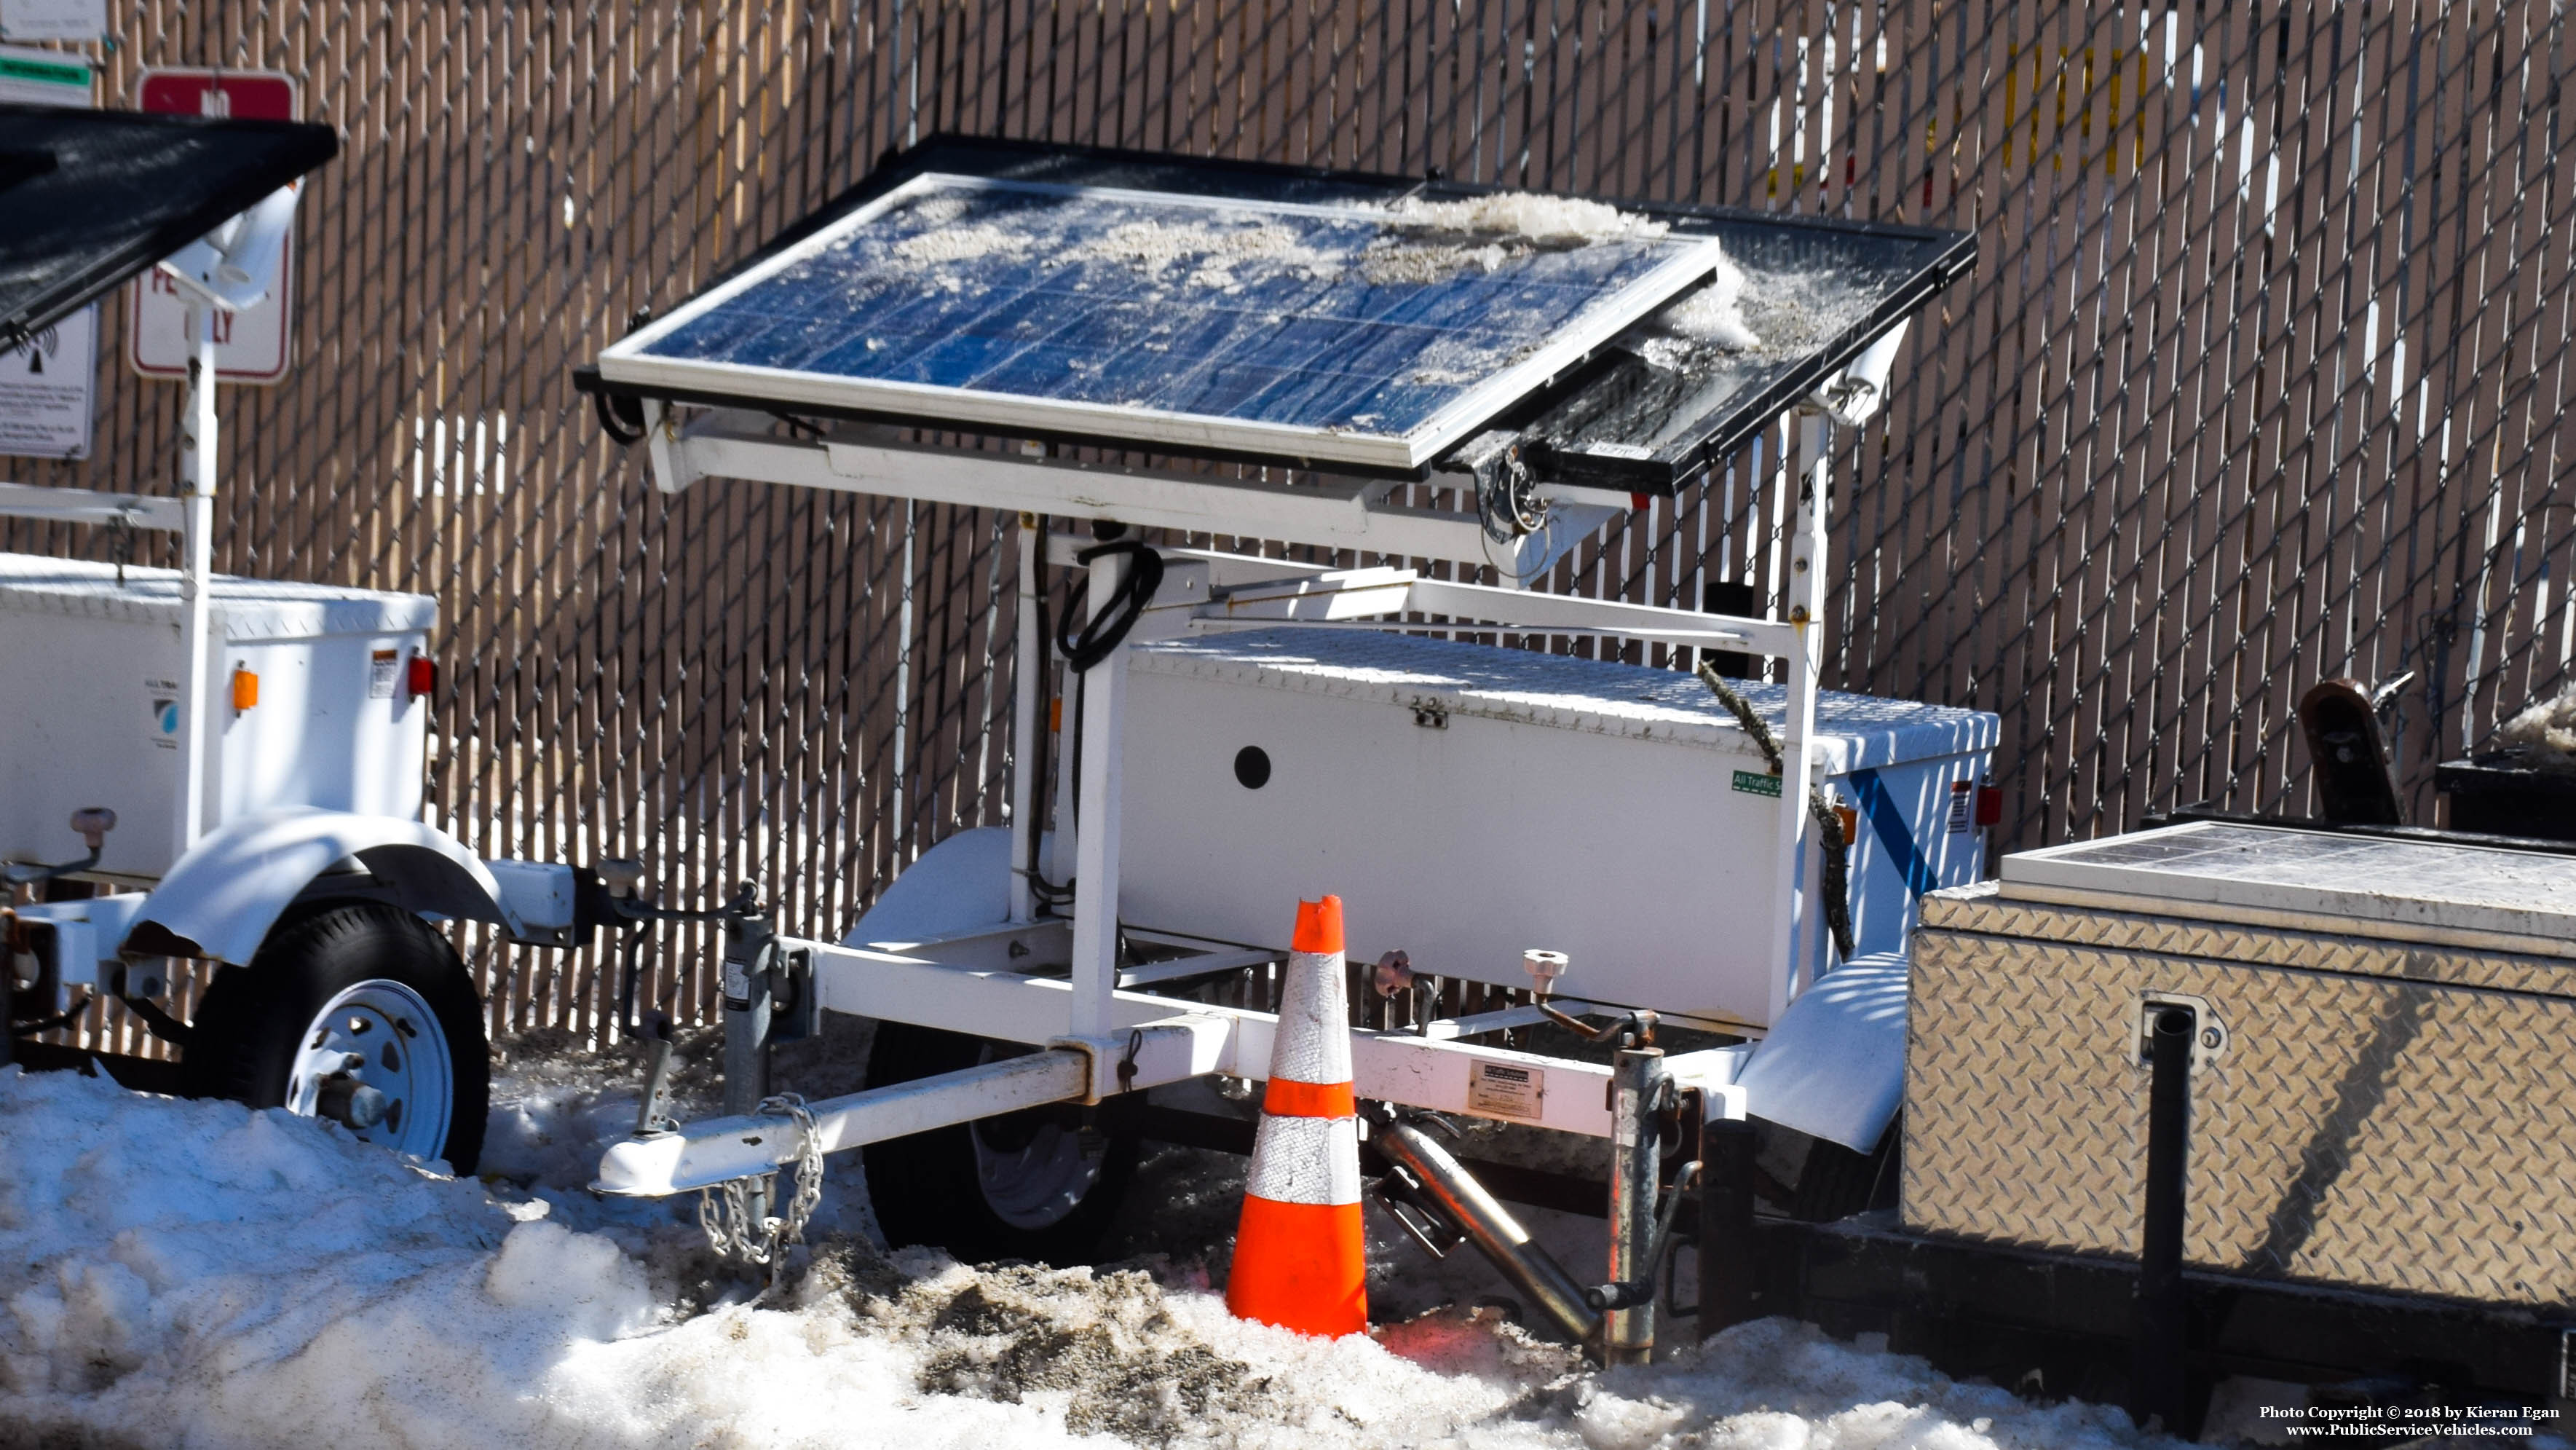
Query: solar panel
[[89, 198], [1360, 334]]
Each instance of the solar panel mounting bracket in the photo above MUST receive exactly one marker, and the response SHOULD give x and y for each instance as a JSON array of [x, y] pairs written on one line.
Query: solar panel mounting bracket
[[1330, 512]]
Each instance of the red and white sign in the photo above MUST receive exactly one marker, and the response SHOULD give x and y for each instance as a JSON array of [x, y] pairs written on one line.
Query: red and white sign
[[251, 346]]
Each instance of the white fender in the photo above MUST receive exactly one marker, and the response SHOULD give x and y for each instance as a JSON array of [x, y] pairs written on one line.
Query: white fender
[[960, 884], [224, 895], [1833, 1066]]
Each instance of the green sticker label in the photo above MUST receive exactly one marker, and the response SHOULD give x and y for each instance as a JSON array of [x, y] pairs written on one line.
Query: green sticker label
[[1754, 782], [45, 73]]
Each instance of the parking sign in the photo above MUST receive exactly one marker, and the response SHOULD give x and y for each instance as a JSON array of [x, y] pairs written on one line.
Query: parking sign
[[251, 346]]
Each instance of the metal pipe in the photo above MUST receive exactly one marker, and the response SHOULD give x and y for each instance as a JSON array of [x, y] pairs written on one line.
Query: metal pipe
[[1802, 606], [1725, 1225], [1028, 743], [1628, 1334], [718, 1150], [1491, 1227], [197, 442], [2157, 1377], [1095, 885]]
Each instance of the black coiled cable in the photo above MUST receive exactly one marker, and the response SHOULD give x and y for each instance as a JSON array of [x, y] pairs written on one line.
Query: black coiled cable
[[1109, 624]]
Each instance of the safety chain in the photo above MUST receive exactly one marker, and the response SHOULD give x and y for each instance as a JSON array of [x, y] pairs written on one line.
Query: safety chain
[[724, 1209]]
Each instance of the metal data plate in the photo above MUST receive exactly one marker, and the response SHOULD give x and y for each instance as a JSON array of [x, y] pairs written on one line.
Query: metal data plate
[[1620, 411], [1346, 333], [2389, 1117], [2372, 886], [90, 198]]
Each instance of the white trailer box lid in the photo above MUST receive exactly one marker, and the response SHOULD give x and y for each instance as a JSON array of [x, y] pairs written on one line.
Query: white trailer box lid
[[1566, 692], [246, 609], [94, 674], [1470, 802]]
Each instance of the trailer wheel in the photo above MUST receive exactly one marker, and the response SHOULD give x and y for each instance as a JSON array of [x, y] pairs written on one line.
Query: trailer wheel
[[1027, 1185], [357, 1012], [1835, 1182]]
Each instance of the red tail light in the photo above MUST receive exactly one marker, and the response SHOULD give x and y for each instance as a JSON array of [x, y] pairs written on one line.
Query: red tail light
[[421, 676]]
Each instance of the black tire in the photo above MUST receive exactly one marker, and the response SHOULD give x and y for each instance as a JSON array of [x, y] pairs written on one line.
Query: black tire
[[1836, 1182], [249, 1028], [927, 1188]]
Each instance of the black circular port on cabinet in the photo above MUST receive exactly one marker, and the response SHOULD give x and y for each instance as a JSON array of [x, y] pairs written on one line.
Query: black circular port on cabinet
[[1252, 767]]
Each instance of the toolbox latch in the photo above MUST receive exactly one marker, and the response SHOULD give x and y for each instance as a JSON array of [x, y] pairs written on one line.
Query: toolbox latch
[[2209, 1037]]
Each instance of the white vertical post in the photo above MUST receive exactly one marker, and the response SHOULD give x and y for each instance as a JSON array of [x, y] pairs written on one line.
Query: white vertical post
[[1095, 887], [1066, 842], [1028, 746], [1802, 597], [196, 568]]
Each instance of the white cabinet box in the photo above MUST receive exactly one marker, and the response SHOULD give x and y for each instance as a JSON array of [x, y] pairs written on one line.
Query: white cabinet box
[[89, 714], [1469, 802]]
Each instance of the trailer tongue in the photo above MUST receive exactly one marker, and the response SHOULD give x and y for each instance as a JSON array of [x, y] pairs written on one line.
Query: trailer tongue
[[1344, 364]]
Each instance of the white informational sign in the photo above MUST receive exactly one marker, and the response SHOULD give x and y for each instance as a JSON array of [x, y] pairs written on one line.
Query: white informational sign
[[45, 399], [250, 346], [253, 345], [53, 19], [43, 77]]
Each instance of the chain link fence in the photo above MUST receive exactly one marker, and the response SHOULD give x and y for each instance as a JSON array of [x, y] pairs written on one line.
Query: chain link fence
[[2258, 380]]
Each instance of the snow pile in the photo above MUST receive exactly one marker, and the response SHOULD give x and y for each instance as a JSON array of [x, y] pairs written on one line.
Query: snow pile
[[200, 1274], [1439, 239], [1547, 220], [967, 243], [1712, 317], [1210, 251], [2543, 736]]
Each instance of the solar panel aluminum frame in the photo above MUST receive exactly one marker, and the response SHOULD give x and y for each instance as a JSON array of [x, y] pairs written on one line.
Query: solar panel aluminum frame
[[628, 362]]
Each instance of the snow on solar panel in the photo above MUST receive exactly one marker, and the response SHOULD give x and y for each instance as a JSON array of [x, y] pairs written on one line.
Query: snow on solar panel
[[1355, 334]]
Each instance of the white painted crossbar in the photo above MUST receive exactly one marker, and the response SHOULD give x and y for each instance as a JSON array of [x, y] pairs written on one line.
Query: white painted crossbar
[[1069, 1070], [81, 505], [1396, 1067], [719, 1150]]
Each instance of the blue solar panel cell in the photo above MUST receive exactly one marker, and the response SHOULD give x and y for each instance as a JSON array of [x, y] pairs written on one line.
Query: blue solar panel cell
[[1380, 336]]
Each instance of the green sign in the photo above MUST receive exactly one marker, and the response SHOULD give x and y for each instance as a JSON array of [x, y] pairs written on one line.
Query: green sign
[[31, 77], [1754, 782]]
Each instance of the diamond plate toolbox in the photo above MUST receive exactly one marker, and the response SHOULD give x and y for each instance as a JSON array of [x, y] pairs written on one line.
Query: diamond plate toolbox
[[2388, 1105]]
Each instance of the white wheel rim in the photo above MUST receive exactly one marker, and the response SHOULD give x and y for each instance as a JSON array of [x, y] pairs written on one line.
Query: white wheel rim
[[401, 1052]]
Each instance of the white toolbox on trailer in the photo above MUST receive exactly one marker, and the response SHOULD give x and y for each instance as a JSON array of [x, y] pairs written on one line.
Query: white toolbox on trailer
[[1469, 803], [92, 704]]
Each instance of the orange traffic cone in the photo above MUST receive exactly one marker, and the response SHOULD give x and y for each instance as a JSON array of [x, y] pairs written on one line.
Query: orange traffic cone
[[1300, 1261]]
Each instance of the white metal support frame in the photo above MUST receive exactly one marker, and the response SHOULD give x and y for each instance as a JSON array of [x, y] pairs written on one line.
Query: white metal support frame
[[1095, 881], [226, 270], [1097, 1038], [1027, 744], [1802, 597], [197, 442]]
